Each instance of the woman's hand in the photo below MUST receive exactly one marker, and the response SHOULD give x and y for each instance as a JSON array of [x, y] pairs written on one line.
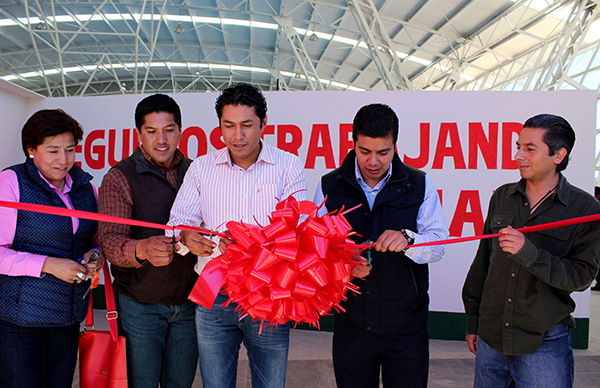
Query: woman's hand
[[93, 262], [66, 270]]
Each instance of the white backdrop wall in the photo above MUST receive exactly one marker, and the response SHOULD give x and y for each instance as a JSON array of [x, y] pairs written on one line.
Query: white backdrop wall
[[464, 140], [13, 114]]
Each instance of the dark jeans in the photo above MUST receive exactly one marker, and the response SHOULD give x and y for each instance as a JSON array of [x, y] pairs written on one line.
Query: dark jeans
[[160, 341], [37, 357], [359, 355]]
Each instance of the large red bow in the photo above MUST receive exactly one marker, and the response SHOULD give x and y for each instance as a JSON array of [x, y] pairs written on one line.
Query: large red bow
[[286, 270]]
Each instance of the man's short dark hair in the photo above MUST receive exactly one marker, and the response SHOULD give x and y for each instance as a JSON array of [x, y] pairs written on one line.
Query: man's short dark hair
[[47, 123], [559, 134], [375, 120], [156, 103], [243, 94]]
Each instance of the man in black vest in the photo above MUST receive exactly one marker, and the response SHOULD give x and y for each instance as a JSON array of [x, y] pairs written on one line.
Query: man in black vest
[[385, 326], [151, 282]]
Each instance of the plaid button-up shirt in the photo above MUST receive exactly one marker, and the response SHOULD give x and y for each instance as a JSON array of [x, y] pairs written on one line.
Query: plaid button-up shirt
[[116, 200]]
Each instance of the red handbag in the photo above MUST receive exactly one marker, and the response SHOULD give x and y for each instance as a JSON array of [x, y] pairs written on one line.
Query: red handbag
[[102, 362]]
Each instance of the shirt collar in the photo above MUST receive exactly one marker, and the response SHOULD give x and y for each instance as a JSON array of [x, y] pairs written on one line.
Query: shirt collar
[[66, 188], [362, 182], [562, 192]]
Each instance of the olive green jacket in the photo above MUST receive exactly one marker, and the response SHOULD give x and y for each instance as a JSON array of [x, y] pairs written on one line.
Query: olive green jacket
[[512, 301]]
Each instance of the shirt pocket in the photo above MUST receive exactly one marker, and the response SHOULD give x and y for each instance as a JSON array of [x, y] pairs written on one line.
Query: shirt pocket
[[557, 241], [500, 221]]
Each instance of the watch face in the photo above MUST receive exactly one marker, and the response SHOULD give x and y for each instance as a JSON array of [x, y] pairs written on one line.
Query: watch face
[[410, 237]]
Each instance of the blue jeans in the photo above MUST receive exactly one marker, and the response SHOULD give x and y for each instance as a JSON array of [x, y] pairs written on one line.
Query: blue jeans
[[37, 357], [551, 366], [220, 333], [160, 341]]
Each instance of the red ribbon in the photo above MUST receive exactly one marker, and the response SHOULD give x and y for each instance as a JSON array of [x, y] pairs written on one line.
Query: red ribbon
[[284, 271], [526, 229], [61, 211]]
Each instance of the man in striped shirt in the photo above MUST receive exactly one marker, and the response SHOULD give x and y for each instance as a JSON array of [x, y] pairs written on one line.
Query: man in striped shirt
[[238, 183]]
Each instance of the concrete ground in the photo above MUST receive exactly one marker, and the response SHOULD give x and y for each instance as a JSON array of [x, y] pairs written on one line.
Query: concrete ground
[[451, 364]]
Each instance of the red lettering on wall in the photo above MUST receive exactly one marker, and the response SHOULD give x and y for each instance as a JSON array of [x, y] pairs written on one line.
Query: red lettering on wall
[[488, 147], [467, 199], [423, 158], [78, 149], [136, 141], [296, 138], [95, 155], [200, 136], [112, 148], [215, 139], [326, 150], [345, 143], [454, 150], [440, 195], [508, 141]]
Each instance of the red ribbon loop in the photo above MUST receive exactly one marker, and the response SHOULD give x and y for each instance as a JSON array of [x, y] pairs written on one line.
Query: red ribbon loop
[[283, 271]]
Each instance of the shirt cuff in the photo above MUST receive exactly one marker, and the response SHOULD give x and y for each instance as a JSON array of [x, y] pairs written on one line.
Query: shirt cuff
[[414, 253], [130, 253], [419, 255], [527, 255], [472, 324], [35, 263]]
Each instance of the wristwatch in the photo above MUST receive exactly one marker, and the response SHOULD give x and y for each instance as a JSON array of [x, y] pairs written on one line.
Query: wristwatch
[[409, 235]]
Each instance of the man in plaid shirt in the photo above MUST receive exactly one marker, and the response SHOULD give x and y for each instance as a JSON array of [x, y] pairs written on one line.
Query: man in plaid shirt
[[152, 282]]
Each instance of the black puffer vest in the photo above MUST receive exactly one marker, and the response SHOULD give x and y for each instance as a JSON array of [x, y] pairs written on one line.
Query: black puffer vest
[[48, 301], [394, 295], [153, 197]]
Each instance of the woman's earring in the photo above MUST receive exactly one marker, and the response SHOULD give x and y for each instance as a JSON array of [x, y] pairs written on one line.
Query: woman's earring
[[30, 156]]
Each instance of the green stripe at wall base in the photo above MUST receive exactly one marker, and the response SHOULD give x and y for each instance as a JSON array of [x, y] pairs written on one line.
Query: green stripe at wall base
[[451, 327], [99, 298], [441, 325], [580, 335]]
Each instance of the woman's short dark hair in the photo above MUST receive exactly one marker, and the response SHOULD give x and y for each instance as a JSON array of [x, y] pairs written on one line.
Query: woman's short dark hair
[[375, 120], [243, 94], [156, 103], [47, 123], [559, 134]]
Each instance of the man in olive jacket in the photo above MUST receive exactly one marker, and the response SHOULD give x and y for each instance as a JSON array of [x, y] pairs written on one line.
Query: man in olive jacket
[[517, 293]]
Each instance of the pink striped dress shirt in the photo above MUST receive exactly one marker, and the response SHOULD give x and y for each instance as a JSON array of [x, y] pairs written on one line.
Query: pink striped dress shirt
[[15, 263], [216, 191]]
